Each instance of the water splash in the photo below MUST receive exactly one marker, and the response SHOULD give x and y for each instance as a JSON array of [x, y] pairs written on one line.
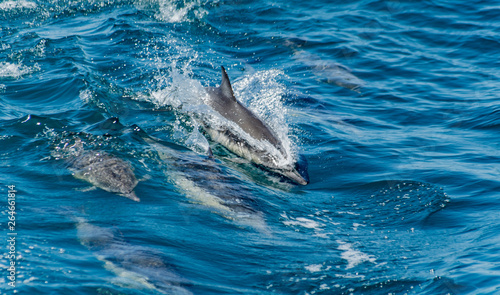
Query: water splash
[[9, 70], [178, 91], [261, 92], [175, 11], [15, 5]]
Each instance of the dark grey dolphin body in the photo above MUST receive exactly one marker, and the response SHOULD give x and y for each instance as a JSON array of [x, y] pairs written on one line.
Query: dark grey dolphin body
[[221, 99], [105, 171]]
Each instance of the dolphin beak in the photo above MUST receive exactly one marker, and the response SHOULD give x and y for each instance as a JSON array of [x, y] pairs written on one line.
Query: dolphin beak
[[299, 172], [132, 196], [297, 177]]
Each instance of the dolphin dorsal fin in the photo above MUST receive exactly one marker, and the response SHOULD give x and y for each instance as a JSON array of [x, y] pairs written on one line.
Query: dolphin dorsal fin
[[225, 85]]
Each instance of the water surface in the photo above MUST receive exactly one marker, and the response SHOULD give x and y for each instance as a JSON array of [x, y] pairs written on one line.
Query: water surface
[[393, 103]]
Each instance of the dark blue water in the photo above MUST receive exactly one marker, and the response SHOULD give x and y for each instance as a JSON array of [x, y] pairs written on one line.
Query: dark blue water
[[393, 103]]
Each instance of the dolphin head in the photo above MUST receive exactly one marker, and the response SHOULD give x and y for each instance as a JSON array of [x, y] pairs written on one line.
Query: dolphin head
[[298, 172], [301, 166]]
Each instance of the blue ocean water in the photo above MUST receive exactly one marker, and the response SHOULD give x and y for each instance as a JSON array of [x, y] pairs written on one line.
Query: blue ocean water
[[394, 104]]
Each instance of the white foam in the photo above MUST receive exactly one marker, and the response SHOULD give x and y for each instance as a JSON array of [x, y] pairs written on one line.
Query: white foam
[[185, 95], [39, 49], [304, 222], [314, 268], [29, 280], [178, 90], [356, 225], [324, 287], [86, 95], [348, 212], [11, 5], [175, 11], [169, 12], [353, 256], [9, 70]]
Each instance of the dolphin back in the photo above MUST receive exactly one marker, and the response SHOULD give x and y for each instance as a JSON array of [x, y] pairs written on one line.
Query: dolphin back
[[106, 171], [222, 100]]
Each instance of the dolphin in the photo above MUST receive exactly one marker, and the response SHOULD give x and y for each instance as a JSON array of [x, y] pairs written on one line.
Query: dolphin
[[136, 267], [327, 71], [206, 184], [257, 143], [105, 171]]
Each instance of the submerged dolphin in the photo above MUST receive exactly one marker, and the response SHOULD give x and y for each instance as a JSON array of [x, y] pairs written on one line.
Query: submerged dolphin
[[205, 183], [329, 71], [135, 266], [259, 145], [326, 70], [105, 171]]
